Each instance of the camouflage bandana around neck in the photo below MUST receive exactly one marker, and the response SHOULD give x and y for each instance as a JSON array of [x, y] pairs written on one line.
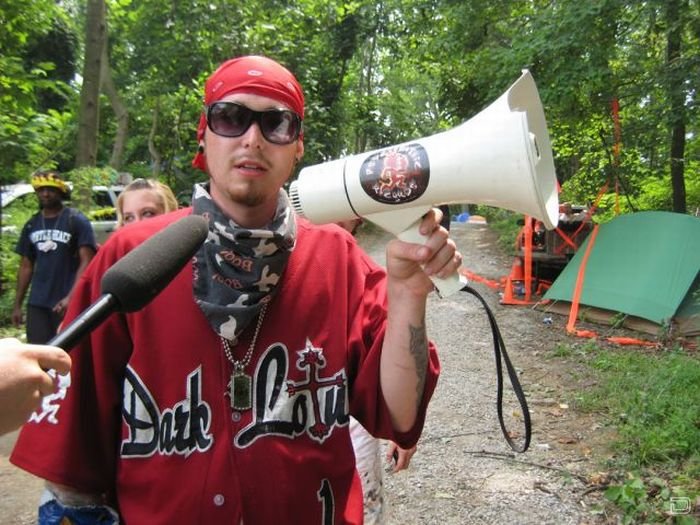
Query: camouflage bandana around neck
[[237, 270]]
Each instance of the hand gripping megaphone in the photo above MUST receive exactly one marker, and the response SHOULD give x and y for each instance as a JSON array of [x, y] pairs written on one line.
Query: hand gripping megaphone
[[502, 157]]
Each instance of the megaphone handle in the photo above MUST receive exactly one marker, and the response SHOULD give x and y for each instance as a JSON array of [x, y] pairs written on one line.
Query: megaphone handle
[[444, 287]]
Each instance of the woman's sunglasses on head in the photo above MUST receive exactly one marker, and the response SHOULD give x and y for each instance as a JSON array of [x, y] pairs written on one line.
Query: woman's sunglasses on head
[[230, 119]]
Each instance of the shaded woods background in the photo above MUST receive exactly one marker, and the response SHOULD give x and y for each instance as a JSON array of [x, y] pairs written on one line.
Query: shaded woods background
[[117, 84]]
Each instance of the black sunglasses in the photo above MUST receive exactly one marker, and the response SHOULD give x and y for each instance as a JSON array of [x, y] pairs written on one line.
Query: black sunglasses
[[230, 119]]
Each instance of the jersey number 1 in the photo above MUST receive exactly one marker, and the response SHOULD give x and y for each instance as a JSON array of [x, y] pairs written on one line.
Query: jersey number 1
[[325, 496]]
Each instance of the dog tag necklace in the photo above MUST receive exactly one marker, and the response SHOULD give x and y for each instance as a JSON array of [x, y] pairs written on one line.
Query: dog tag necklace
[[240, 388]]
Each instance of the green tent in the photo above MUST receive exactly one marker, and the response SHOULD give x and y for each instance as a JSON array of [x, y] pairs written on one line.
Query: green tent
[[643, 265]]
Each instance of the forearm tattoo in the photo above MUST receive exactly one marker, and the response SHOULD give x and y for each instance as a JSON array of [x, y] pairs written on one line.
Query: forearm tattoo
[[419, 349]]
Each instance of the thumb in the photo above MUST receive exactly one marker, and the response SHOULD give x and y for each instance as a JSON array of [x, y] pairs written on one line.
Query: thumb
[[53, 357]]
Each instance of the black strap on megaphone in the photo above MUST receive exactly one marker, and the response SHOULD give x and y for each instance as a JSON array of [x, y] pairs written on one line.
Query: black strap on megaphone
[[501, 355]]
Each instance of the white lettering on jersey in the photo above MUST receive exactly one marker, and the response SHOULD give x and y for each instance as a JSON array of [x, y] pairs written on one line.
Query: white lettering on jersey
[[313, 406], [50, 235], [182, 429]]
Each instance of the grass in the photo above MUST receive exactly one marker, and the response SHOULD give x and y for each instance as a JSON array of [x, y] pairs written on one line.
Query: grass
[[652, 399], [656, 400]]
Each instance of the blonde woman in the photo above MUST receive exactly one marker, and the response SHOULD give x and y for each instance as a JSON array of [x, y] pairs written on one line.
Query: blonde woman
[[143, 199]]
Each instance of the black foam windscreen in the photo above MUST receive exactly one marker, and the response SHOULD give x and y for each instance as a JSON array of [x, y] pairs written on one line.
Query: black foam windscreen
[[146, 270]]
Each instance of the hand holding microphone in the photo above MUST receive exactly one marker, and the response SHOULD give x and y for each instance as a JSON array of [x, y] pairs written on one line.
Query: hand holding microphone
[[23, 380], [133, 281]]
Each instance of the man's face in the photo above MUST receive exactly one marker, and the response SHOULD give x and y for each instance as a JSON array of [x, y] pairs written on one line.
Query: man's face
[[247, 172], [49, 197]]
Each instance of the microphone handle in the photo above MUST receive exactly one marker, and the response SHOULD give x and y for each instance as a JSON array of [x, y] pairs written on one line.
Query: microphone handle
[[98, 311]]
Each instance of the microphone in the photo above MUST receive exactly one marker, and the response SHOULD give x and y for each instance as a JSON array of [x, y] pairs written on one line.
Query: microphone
[[134, 281]]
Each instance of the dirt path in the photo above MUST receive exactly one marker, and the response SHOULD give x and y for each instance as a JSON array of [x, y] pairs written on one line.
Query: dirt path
[[464, 472], [19, 491]]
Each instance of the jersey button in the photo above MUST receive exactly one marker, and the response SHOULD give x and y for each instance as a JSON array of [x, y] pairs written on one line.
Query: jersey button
[[236, 416], [219, 500]]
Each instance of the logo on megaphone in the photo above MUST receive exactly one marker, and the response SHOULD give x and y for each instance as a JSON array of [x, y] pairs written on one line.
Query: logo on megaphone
[[397, 174], [502, 157]]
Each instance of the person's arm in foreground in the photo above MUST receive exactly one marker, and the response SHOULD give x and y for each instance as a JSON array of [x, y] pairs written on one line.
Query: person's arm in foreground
[[404, 358], [24, 380]]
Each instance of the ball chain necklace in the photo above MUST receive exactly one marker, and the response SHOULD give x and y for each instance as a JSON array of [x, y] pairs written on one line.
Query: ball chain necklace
[[240, 387], [49, 244]]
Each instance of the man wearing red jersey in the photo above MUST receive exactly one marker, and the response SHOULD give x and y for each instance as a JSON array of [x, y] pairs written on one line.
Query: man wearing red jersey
[[227, 398]]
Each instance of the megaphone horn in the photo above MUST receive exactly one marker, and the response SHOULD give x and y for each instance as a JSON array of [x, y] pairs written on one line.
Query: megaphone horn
[[502, 157]]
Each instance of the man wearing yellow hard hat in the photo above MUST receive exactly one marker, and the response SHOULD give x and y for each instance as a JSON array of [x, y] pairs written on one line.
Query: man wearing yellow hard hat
[[56, 245]]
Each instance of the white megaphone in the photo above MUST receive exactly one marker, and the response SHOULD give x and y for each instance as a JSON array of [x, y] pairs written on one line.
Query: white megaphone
[[502, 157]]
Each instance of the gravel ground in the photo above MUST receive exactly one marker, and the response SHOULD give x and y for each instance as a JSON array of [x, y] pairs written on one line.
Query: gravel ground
[[464, 472]]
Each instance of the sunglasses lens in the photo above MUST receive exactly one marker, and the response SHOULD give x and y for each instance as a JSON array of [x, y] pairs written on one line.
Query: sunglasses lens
[[229, 120], [280, 127]]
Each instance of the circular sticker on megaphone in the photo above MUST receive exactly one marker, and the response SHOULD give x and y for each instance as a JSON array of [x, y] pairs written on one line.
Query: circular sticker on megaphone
[[397, 174]]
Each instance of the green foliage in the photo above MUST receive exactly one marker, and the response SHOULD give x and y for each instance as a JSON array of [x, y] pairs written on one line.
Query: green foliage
[[31, 89], [14, 217], [374, 74], [650, 502], [84, 179], [503, 222], [654, 400], [102, 214], [652, 194], [562, 351], [631, 498], [9, 263], [651, 402], [618, 320], [9, 330]]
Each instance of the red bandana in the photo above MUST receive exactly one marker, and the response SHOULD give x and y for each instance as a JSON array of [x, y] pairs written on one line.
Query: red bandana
[[255, 75]]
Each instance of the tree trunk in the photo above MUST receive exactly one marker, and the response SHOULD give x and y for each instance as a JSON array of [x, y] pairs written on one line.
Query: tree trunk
[[677, 96], [89, 115], [155, 155], [365, 77], [121, 112]]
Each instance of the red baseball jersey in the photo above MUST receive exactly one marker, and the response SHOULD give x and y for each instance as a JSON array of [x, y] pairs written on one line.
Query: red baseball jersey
[[146, 418]]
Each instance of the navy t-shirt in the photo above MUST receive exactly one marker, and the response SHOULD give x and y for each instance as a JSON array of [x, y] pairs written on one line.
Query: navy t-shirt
[[50, 245]]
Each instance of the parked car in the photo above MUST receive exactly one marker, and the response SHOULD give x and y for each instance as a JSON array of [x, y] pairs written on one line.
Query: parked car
[[104, 197]]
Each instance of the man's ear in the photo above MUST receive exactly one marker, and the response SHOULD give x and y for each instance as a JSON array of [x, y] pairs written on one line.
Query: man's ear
[[300, 151]]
